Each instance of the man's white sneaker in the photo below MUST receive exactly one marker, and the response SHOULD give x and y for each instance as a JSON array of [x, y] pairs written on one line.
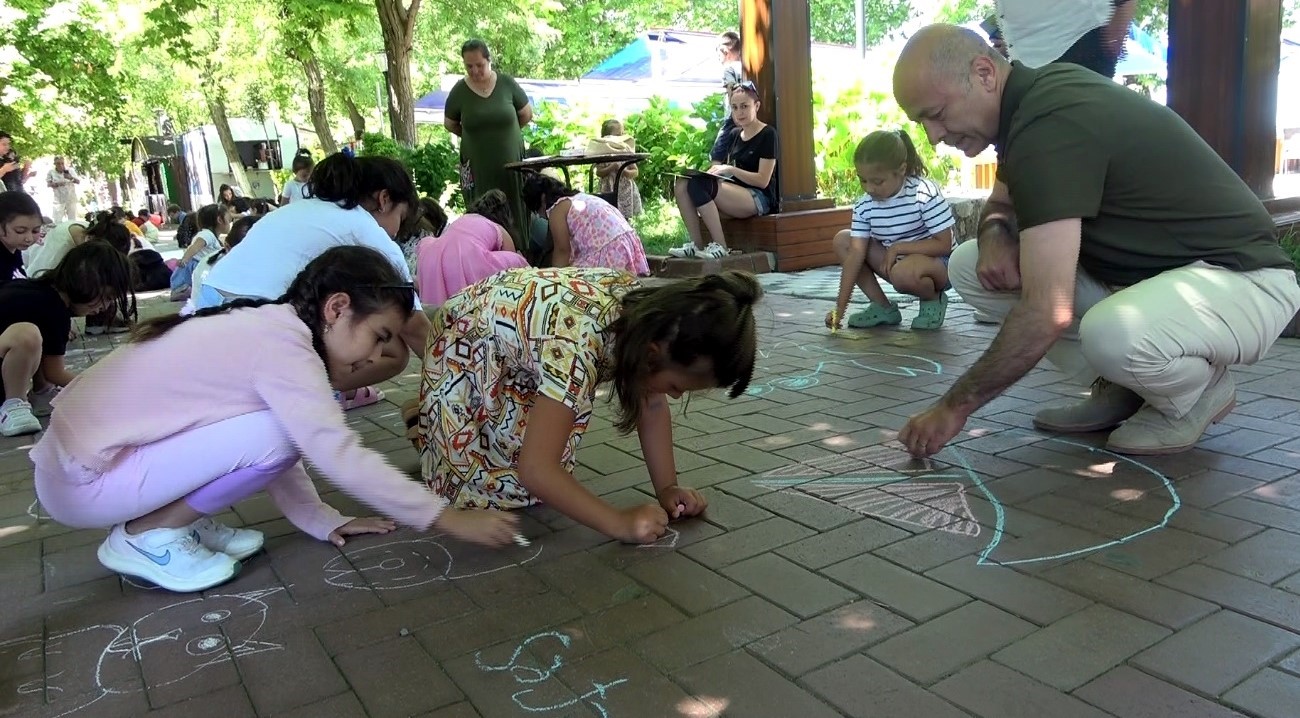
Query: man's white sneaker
[[238, 544], [16, 418], [42, 401], [171, 558]]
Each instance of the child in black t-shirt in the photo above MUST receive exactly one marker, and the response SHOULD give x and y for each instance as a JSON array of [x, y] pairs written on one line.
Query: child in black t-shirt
[[21, 226], [36, 318]]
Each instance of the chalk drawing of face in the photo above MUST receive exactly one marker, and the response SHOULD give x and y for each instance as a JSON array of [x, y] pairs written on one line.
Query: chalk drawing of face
[[167, 645], [408, 563], [881, 481]]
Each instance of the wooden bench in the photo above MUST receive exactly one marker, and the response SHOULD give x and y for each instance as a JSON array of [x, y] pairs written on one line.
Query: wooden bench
[[798, 240]]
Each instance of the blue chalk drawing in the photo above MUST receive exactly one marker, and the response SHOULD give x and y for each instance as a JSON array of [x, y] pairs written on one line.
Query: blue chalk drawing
[[909, 365], [531, 675], [1000, 518]]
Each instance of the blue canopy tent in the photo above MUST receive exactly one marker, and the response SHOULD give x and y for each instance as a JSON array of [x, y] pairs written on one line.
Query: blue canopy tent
[[1144, 54]]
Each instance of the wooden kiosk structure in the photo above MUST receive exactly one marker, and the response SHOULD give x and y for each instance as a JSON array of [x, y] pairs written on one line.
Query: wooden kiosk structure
[[1224, 57], [776, 39]]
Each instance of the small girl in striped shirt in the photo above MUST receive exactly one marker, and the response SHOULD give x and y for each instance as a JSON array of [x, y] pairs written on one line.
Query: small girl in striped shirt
[[901, 232]]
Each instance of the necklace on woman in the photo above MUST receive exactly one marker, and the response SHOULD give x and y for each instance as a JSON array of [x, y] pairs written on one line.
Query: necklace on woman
[[485, 89]]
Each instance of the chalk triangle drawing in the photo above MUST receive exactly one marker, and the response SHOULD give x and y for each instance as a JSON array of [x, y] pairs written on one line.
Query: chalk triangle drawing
[[936, 505]]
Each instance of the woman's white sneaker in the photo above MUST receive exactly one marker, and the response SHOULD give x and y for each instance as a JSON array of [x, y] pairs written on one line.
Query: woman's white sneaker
[[171, 558], [686, 251], [238, 544], [713, 251]]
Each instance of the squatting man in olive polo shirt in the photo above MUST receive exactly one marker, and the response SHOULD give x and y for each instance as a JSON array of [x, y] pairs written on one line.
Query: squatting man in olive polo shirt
[[1115, 243]]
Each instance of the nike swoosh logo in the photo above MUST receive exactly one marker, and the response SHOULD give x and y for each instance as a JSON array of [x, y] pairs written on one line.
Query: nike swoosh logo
[[162, 559]]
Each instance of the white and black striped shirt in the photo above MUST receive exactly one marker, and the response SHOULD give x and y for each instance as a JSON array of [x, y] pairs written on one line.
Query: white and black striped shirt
[[918, 211]]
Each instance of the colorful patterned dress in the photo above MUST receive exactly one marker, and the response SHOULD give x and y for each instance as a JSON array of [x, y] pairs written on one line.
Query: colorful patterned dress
[[494, 347]]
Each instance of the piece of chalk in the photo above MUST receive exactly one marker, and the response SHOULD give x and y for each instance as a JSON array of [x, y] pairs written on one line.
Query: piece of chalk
[[403, 632], [835, 324], [522, 540]]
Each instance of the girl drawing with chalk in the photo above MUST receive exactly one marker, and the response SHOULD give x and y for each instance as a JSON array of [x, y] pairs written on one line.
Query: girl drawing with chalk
[[901, 232], [152, 455], [511, 377]]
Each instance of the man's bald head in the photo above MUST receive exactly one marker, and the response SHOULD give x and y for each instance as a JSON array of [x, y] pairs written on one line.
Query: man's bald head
[[944, 54], [950, 80]]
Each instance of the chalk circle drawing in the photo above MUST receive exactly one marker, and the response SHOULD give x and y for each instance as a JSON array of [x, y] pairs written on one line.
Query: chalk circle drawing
[[526, 675], [415, 562], [893, 364], [179, 640], [870, 481]]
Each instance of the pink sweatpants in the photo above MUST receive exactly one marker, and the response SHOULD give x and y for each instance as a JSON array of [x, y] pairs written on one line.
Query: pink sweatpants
[[211, 467]]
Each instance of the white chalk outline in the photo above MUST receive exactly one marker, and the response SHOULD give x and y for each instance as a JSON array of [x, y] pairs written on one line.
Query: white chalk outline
[[342, 565], [127, 642]]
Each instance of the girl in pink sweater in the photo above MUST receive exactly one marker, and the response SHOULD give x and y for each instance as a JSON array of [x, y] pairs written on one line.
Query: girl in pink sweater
[[153, 455]]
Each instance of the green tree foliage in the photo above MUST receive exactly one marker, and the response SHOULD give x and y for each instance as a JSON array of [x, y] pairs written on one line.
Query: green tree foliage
[[61, 84]]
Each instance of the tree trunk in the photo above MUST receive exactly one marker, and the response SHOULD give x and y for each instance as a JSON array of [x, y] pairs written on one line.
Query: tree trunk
[[357, 119], [316, 102], [217, 106], [398, 25]]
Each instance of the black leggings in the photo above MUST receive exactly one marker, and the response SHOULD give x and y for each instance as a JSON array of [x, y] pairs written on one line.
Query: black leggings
[[702, 189]]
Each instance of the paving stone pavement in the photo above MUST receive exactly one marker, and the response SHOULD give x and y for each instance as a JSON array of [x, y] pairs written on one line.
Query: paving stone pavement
[[1016, 574]]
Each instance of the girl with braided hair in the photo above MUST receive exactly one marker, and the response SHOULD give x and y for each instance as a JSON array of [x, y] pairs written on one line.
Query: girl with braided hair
[[511, 376], [153, 456]]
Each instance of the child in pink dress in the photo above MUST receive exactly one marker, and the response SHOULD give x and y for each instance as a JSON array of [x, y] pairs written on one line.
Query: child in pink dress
[[587, 231], [469, 250]]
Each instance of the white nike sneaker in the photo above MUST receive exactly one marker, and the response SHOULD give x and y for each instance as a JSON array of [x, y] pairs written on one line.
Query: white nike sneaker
[[16, 418], [238, 544], [171, 558]]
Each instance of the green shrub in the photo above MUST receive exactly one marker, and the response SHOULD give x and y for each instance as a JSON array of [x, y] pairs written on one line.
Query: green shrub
[[673, 138], [434, 165]]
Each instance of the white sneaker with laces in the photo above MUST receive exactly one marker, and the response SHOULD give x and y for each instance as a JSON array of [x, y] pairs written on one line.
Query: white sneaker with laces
[[238, 544], [171, 558], [713, 251], [42, 401], [16, 418], [686, 251]]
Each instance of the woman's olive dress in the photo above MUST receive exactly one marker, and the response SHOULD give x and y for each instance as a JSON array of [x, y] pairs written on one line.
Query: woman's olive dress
[[491, 138]]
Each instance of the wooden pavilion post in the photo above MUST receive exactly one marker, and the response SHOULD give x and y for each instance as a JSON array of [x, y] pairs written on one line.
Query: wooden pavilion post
[[1224, 57], [777, 45]]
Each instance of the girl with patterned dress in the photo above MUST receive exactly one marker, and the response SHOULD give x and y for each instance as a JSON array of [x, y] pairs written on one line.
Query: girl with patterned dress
[[586, 230], [511, 374]]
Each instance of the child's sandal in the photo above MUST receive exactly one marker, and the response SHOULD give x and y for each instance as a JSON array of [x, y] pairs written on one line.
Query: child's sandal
[[876, 315], [932, 313], [365, 396]]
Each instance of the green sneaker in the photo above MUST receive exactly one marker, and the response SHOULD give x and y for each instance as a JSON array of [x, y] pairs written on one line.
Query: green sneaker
[[932, 313], [876, 315]]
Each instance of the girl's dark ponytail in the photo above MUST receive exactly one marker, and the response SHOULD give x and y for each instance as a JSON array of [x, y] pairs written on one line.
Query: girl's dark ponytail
[[915, 167], [348, 181]]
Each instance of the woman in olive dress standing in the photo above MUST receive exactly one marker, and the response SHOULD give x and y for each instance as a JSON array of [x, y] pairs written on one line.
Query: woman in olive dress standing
[[487, 110]]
